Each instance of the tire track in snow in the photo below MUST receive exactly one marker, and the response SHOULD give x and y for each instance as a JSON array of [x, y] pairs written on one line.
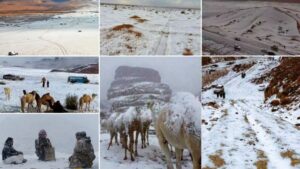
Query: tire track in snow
[[161, 48], [60, 47], [269, 144]]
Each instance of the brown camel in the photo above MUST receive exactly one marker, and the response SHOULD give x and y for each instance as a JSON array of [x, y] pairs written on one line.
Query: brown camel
[[134, 126], [29, 99], [181, 140], [86, 99], [46, 100], [145, 133]]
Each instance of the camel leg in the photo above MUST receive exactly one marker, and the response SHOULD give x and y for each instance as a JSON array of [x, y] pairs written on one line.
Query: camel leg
[[147, 136], [116, 138], [136, 143], [194, 147], [143, 138], [125, 157], [125, 146], [131, 143], [196, 159], [165, 148], [178, 157], [28, 107], [111, 139]]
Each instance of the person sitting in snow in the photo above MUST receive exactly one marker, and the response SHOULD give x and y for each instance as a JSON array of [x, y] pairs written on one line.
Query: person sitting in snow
[[83, 155], [43, 147], [10, 155]]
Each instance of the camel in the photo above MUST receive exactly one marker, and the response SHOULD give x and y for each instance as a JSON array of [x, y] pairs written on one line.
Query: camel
[[112, 130], [7, 92], [134, 126], [86, 99], [145, 125], [181, 140], [46, 100], [145, 133], [28, 98]]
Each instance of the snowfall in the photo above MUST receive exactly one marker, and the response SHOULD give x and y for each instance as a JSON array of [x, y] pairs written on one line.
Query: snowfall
[[73, 33], [59, 87], [24, 129], [259, 25], [164, 31], [152, 156], [241, 131]]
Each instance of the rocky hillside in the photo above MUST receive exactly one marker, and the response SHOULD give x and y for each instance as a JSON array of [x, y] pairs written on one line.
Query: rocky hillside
[[285, 82], [136, 86]]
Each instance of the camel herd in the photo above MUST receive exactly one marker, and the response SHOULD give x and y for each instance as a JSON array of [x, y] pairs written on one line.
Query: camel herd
[[118, 123], [32, 102]]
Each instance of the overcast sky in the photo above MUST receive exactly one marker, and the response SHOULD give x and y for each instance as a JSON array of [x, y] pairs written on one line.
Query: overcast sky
[[159, 3], [180, 73]]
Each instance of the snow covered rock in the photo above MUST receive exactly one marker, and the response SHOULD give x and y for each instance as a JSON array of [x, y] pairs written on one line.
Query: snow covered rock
[[136, 86]]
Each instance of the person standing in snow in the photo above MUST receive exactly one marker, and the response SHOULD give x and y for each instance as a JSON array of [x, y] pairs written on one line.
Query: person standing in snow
[[48, 83], [42, 147], [43, 81], [10, 155], [83, 155]]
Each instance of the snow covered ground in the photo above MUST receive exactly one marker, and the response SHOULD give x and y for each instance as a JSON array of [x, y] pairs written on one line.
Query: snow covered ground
[[241, 131], [24, 129], [59, 87], [258, 25], [149, 158], [153, 31], [74, 33]]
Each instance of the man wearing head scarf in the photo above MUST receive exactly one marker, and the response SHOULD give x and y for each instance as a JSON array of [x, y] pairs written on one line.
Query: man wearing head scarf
[[83, 155], [43, 147], [10, 155]]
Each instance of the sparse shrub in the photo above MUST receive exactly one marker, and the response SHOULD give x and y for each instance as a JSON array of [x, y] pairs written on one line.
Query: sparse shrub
[[209, 78], [285, 100], [275, 102], [274, 48], [187, 52], [206, 60], [71, 102], [121, 27]]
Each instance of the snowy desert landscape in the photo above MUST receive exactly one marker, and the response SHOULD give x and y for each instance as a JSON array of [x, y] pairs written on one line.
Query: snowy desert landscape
[[256, 125], [24, 129], [51, 27], [251, 27], [144, 30], [56, 71], [136, 94]]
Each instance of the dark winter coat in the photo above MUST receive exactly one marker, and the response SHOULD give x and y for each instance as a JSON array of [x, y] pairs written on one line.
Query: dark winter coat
[[9, 151], [40, 145]]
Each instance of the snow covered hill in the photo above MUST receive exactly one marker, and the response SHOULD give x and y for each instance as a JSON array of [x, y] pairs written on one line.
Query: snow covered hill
[[241, 131], [61, 130], [138, 30]]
